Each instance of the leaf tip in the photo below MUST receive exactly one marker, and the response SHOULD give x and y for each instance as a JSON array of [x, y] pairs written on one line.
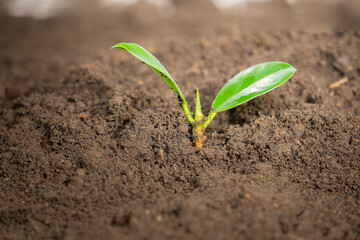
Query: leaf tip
[[119, 45], [292, 67], [114, 46]]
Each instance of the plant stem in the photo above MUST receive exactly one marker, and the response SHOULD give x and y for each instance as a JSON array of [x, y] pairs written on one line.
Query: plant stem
[[208, 120], [199, 137], [199, 129], [187, 113]]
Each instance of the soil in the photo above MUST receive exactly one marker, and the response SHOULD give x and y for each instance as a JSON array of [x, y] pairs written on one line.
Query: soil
[[93, 144]]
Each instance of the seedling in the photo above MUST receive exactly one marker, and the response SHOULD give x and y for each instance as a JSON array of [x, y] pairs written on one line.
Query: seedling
[[244, 86]]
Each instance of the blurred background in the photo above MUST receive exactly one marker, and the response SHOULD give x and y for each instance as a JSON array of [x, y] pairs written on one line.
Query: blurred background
[[42, 9], [40, 39], [99, 22]]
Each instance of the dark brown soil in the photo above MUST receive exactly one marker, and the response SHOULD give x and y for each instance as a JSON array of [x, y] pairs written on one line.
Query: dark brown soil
[[100, 149]]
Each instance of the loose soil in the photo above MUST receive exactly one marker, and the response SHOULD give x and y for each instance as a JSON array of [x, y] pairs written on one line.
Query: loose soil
[[100, 149]]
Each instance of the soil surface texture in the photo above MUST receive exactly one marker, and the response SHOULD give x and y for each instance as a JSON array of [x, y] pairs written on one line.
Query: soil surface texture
[[94, 145]]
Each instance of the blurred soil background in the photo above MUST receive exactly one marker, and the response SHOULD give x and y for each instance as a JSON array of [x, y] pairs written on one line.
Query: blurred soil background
[[94, 146]]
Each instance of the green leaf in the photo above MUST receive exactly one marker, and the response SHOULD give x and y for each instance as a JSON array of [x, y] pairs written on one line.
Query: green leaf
[[251, 83], [143, 55], [198, 114]]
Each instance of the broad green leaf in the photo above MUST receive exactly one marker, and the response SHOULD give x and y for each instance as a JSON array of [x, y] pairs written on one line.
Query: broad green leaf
[[143, 55], [251, 83]]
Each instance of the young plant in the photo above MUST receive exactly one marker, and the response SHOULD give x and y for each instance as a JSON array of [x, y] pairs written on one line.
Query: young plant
[[244, 86]]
